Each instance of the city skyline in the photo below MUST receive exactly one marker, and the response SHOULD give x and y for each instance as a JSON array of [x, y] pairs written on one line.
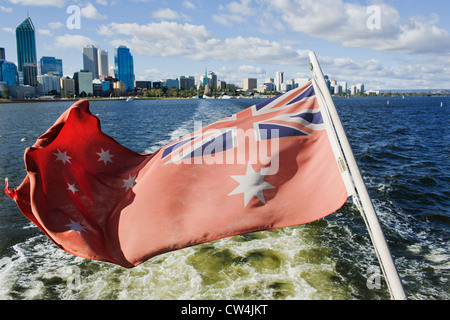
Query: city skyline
[[92, 78], [254, 39]]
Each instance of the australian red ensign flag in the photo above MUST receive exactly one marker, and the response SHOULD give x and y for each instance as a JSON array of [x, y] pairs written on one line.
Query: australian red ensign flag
[[266, 167]]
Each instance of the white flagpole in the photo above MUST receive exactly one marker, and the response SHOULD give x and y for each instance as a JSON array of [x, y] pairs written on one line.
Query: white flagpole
[[363, 201]]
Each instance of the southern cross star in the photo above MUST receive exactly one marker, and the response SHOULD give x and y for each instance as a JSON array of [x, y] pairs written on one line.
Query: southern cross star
[[72, 188], [75, 226], [105, 156], [62, 156], [252, 184], [130, 182]]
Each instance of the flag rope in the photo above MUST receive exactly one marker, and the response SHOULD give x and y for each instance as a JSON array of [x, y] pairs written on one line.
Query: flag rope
[[361, 197]]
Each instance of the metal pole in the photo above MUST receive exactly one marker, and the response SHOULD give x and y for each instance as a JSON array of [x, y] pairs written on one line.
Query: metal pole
[[363, 200]]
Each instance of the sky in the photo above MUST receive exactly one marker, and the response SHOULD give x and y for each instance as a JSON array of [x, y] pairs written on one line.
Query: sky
[[384, 44]]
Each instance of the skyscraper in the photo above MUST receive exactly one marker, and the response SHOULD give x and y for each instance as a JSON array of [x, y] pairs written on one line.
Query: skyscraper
[[102, 63], [90, 60], [2, 54], [26, 43], [30, 74], [124, 72], [51, 65], [278, 80]]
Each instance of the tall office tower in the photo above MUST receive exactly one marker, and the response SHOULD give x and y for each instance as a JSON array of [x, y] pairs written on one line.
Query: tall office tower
[[249, 83], [278, 80], [212, 80], [30, 74], [90, 60], [102, 63], [51, 65], [26, 44], [2, 54], [124, 72]]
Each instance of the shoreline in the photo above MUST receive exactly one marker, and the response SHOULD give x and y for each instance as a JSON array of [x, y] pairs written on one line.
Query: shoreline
[[5, 101]]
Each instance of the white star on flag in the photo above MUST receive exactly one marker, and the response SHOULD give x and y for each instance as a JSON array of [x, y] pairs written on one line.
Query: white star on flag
[[72, 188], [63, 157], [252, 184], [105, 156], [75, 226], [129, 183]]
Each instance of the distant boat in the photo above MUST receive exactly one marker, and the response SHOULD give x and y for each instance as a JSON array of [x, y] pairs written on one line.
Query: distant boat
[[129, 99]]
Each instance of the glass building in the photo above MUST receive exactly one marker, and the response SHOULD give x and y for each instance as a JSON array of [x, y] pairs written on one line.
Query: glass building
[[90, 60], [124, 72], [8, 73], [51, 65], [26, 44]]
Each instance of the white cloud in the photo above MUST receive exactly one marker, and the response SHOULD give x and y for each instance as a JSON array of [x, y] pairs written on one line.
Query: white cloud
[[249, 69], [346, 24], [152, 73], [195, 42], [168, 14], [9, 30], [55, 25], [234, 12], [6, 9], [45, 32], [165, 14], [52, 3], [90, 12], [188, 4], [73, 41]]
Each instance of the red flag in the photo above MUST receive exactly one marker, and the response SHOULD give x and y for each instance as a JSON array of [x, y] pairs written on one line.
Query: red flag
[[268, 166]]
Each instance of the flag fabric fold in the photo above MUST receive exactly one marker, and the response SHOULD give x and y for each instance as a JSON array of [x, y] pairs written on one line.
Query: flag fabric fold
[[268, 166]]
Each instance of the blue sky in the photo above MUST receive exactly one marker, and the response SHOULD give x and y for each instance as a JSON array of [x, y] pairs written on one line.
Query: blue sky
[[398, 44]]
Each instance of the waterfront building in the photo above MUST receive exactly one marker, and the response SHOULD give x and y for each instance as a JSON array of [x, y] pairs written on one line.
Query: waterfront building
[[221, 84], [264, 88], [8, 73], [49, 84], [169, 83], [90, 60], [26, 44], [231, 86], [270, 86], [83, 83], [106, 85], [119, 87], [157, 84], [124, 72], [212, 80], [19, 92], [249, 84], [328, 82], [102, 63], [51, 65], [30, 74], [97, 88], [143, 85], [343, 86], [278, 80], [360, 88], [186, 82], [67, 86]]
